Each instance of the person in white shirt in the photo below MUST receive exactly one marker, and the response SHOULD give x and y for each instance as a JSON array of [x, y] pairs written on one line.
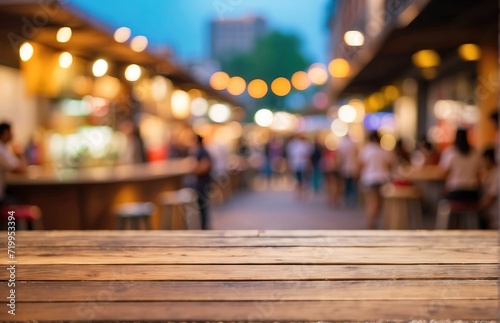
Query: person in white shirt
[[375, 170], [461, 165], [298, 154], [9, 161]]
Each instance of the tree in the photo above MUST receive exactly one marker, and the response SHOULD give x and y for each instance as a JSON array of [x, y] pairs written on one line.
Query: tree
[[274, 55]]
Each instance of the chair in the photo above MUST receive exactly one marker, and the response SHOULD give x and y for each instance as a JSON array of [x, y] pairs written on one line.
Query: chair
[[135, 215], [26, 216], [467, 212], [180, 210], [402, 207]]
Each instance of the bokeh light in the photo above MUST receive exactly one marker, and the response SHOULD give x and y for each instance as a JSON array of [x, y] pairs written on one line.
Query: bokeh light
[[426, 58], [264, 117], [219, 113], [317, 74], [26, 52], [65, 60], [339, 128], [339, 68], [122, 34], [100, 67], [300, 80], [139, 43], [347, 113], [64, 34], [391, 92], [281, 86], [180, 104], [388, 142], [133, 72], [236, 85], [257, 89], [354, 38], [469, 52], [219, 80], [199, 107], [332, 142]]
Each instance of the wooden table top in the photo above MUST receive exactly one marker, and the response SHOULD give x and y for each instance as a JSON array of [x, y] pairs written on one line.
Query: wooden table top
[[285, 276], [38, 175]]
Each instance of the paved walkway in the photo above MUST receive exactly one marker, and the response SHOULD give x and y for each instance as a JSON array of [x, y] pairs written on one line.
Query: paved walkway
[[278, 209]]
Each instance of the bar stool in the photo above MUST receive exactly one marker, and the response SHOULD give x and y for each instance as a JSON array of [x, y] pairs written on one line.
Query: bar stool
[[467, 211], [26, 216], [135, 215], [402, 207], [180, 210]]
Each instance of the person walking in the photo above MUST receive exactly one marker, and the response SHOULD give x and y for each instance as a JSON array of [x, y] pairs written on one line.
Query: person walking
[[202, 171], [375, 170]]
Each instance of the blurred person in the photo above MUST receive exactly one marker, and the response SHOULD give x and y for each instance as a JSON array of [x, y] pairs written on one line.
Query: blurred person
[[316, 156], [425, 154], [329, 165], [11, 160], [202, 172], [349, 168], [273, 152], [488, 203], [495, 140], [461, 165], [134, 151], [403, 163], [298, 152], [375, 170]]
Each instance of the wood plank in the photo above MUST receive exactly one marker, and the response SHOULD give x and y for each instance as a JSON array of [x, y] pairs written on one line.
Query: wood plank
[[165, 240], [263, 233], [134, 291], [258, 311], [250, 272], [258, 255]]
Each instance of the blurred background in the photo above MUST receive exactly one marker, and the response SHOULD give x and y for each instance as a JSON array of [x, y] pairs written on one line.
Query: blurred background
[[81, 78]]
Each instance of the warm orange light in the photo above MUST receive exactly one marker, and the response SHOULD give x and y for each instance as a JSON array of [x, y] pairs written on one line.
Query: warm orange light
[[391, 92], [236, 85], [469, 52], [281, 86], [339, 67], [317, 74], [426, 58], [219, 81], [300, 80], [257, 89]]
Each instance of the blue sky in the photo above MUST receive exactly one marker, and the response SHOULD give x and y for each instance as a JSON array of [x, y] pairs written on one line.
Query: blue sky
[[183, 24]]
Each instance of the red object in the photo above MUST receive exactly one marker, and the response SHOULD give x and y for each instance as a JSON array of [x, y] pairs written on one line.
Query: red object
[[25, 212]]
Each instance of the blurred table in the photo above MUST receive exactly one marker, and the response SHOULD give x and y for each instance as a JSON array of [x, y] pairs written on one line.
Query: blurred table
[[244, 276], [430, 180], [84, 198]]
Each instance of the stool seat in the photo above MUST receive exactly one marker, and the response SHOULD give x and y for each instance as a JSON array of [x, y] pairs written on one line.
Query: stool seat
[[29, 216], [135, 209], [402, 207], [181, 196], [468, 210], [133, 214], [180, 209]]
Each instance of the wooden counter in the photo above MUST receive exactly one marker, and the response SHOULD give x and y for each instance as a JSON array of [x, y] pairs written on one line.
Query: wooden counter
[[84, 198], [235, 276]]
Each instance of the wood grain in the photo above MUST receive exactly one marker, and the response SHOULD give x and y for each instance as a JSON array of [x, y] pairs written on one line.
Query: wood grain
[[257, 255], [258, 311], [250, 272], [253, 291]]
